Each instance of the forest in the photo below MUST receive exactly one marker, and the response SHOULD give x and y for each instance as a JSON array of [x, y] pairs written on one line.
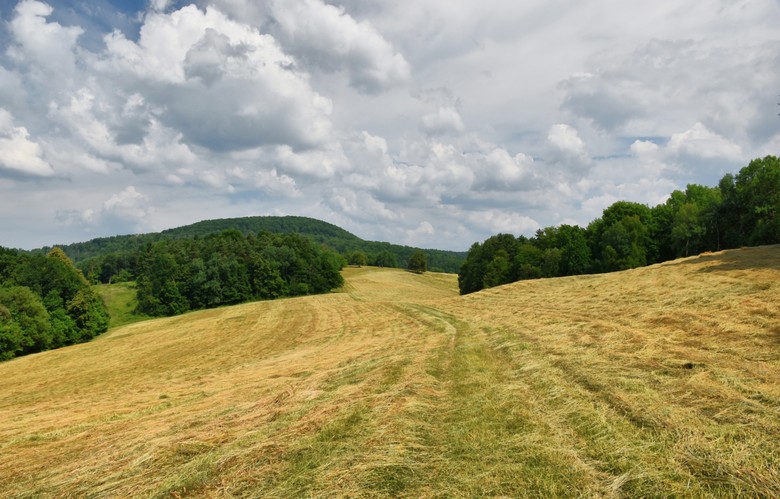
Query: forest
[[175, 276], [102, 259], [45, 302], [743, 210]]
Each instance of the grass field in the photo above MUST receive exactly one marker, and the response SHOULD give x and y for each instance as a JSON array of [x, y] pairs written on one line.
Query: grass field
[[121, 301], [661, 381]]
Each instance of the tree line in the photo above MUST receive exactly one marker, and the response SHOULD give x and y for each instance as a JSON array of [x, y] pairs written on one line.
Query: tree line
[[113, 253], [175, 276], [743, 210], [45, 303]]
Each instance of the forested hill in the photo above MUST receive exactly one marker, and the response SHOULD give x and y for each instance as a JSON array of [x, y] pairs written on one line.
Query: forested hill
[[334, 237], [321, 232]]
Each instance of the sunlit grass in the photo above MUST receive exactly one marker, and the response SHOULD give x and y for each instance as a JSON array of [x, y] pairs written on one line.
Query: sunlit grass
[[662, 381]]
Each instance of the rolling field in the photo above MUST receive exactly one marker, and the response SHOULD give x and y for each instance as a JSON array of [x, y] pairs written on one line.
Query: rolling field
[[659, 381]]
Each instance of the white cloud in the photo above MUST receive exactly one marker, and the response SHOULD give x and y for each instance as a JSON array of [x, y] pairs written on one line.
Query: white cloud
[[222, 83], [644, 148], [567, 148], [445, 120], [47, 45], [321, 164], [329, 38], [420, 235], [700, 142], [127, 204], [158, 146], [498, 171], [495, 221], [359, 206], [19, 155]]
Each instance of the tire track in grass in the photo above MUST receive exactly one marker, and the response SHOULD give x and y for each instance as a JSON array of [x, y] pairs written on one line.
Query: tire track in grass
[[481, 437]]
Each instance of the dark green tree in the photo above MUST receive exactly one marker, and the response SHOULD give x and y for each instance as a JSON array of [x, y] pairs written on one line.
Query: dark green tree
[[418, 262], [24, 322], [499, 270], [385, 259], [358, 258], [89, 312], [757, 192]]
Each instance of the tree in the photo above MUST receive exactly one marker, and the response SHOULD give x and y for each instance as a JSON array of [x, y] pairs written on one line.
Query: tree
[[687, 228], [386, 259], [758, 198], [623, 244], [498, 271], [89, 312], [358, 258], [418, 262], [24, 322]]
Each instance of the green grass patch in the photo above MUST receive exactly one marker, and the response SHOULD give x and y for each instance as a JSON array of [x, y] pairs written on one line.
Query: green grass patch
[[120, 299]]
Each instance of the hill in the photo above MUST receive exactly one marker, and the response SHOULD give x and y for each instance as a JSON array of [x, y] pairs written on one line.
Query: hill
[[662, 380], [321, 232]]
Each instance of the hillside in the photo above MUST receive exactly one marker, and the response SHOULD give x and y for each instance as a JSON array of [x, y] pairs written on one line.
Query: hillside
[[321, 232], [662, 380]]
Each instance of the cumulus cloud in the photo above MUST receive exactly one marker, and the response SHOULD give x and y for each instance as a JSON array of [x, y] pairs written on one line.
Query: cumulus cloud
[[420, 234], [445, 120], [567, 149], [158, 146], [700, 142], [494, 221], [126, 211], [222, 83], [323, 163], [499, 171], [48, 46], [359, 206], [327, 37], [20, 156]]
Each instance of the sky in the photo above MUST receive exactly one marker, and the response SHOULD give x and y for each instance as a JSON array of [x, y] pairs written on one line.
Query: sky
[[423, 122]]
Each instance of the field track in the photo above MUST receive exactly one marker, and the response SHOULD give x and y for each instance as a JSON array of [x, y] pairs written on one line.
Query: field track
[[659, 381]]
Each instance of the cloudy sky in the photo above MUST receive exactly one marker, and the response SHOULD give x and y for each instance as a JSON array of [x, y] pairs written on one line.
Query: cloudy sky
[[424, 122]]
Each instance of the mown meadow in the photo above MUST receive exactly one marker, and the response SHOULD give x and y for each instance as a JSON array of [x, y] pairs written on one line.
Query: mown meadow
[[657, 381]]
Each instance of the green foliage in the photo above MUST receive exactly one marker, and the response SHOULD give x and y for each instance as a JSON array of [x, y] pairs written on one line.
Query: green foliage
[[45, 302], [114, 259], [25, 322], [756, 196], [89, 312], [358, 258], [742, 210], [228, 268], [385, 259], [418, 262]]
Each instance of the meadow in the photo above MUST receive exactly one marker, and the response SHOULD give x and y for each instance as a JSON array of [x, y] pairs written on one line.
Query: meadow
[[659, 381]]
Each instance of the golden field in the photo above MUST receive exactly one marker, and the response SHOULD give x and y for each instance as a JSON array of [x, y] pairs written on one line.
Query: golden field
[[659, 381]]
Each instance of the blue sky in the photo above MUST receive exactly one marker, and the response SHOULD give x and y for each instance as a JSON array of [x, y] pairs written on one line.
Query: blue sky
[[423, 122]]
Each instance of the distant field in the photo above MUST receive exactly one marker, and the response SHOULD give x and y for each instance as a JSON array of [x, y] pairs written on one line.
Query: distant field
[[659, 381]]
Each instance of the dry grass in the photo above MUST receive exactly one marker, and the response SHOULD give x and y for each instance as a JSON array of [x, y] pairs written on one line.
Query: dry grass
[[662, 381]]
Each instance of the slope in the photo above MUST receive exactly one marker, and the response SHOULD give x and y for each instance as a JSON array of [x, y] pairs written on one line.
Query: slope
[[657, 381]]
